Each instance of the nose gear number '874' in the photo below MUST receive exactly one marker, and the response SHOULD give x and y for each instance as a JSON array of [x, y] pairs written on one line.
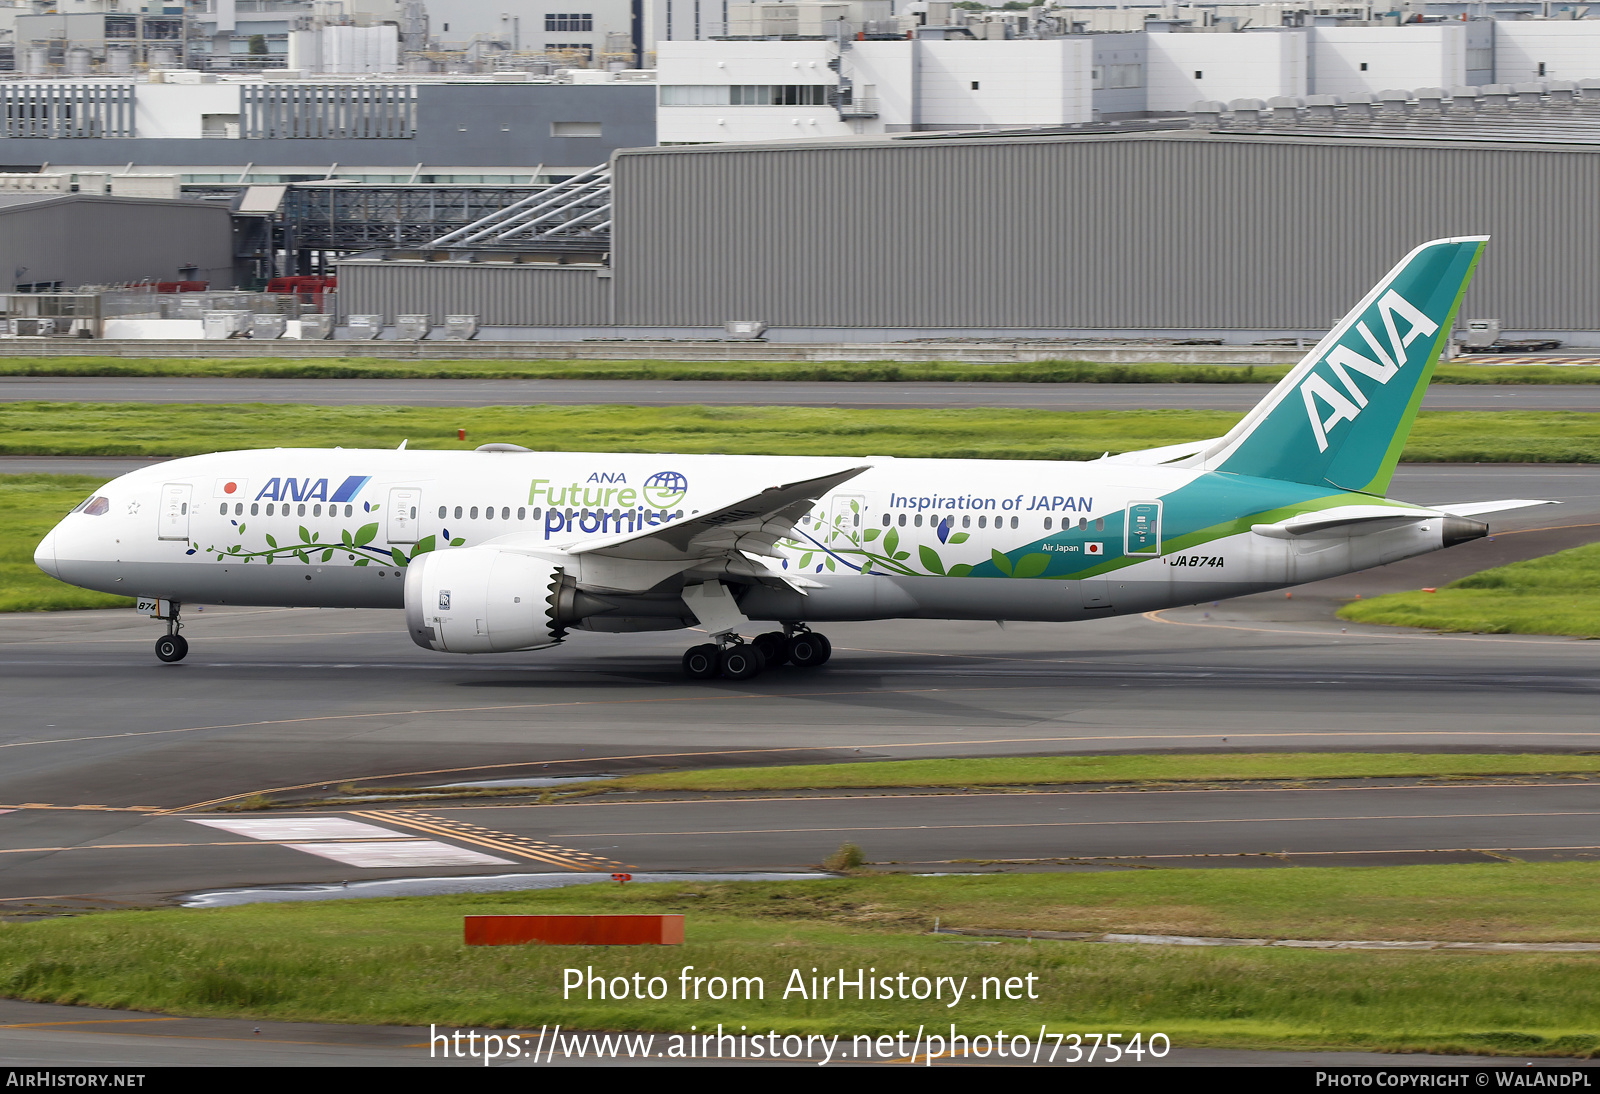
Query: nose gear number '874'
[[1196, 560]]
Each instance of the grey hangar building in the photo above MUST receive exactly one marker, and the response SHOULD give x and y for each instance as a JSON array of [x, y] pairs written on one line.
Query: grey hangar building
[[1240, 232]]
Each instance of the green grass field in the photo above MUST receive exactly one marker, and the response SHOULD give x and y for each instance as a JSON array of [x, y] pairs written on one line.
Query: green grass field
[[111, 429], [1064, 770], [1136, 770], [402, 961], [1080, 372], [30, 505], [1556, 594]]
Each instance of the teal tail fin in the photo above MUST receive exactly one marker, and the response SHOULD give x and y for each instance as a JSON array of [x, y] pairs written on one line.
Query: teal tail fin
[[1341, 417]]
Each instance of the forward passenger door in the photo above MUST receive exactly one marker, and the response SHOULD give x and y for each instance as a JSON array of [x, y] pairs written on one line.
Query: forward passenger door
[[174, 517], [405, 510]]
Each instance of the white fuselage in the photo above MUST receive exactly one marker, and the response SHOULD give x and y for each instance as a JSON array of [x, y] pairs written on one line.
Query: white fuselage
[[335, 528]]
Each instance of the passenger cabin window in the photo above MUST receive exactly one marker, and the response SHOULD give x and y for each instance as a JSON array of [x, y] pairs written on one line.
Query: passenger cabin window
[[1047, 523], [902, 520], [458, 512], [442, 512], [473, 513]]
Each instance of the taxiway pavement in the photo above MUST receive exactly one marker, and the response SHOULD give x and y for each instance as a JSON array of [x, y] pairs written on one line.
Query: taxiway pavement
[[108, 759]]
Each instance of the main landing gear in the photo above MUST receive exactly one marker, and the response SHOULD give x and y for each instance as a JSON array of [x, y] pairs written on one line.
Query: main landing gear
[[172, 646], [732, 658]]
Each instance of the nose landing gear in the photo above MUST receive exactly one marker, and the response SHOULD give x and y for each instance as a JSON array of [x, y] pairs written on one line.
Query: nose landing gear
[[732, 658], [172, 646]]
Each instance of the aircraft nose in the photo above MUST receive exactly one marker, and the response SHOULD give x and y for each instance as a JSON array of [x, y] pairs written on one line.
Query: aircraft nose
[[44, 555]]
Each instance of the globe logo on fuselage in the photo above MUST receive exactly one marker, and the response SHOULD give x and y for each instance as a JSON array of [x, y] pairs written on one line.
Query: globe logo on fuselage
[[665, 489]]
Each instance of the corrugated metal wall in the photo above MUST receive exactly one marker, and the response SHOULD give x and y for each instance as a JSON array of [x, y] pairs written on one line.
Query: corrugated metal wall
[[1177, 231], [500, 296], [80, 239]]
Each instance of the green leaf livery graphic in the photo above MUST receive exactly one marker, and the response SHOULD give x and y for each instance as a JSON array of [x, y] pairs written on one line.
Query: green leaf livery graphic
[[1031, 565]]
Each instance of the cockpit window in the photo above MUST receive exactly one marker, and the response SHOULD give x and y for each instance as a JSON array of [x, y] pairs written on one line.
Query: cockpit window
[[97, 507]]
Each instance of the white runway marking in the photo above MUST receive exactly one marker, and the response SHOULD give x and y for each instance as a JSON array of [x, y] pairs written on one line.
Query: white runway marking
[[353, 843], [299, 828], [415, 852]]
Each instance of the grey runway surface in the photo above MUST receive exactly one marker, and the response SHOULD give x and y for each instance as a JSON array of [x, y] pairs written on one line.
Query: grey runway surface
[[467, 393], [107, 755]]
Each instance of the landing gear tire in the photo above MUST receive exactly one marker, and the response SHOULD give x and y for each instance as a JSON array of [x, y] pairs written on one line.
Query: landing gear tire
[[742, 661], [702, 662], [808, 649], [172, 647], [774, 646]]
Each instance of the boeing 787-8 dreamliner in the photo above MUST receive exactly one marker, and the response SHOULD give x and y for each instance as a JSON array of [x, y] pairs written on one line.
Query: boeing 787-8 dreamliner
[[505, 549]]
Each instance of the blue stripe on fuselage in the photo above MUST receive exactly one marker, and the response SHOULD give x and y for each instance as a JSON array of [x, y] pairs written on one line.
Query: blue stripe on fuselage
[[350, 487]]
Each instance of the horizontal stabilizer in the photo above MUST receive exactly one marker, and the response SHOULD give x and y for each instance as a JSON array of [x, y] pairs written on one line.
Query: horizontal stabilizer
[[1473, 508], [1344, 520]]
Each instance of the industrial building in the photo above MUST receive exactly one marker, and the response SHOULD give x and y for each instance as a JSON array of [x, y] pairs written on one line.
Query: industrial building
[[1250, 227], [268, 131], [316, 37], [53, 241], [999, 70]]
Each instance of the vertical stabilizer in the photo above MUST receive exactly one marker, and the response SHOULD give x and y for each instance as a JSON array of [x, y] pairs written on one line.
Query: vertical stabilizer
[[1341, 417]]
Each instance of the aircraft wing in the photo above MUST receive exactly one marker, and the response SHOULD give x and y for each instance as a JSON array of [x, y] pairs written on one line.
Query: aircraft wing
[[732, 541], [1149, 457]]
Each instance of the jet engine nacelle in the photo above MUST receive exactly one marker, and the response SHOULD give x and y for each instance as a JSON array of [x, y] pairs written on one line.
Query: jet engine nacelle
[[484, 600]]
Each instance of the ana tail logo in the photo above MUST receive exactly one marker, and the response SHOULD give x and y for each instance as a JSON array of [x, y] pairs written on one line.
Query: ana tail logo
[[1381, 367]]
